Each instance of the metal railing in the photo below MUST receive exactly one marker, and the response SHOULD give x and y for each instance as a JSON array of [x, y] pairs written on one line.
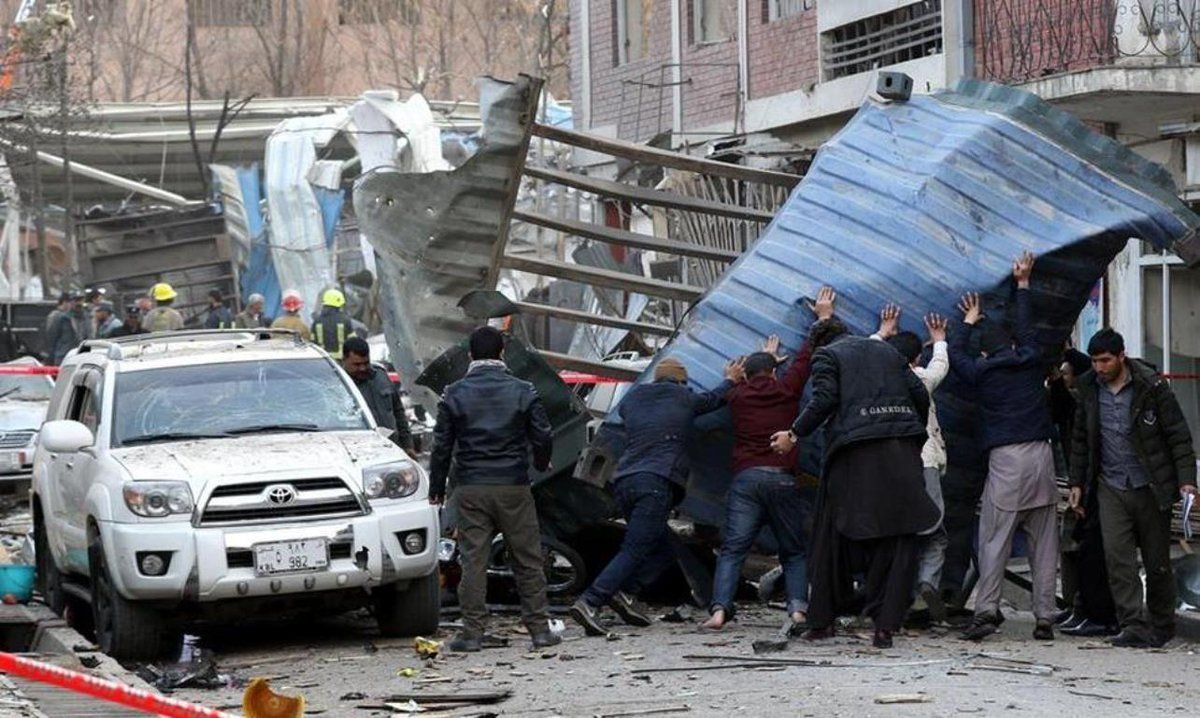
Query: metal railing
[[1022, 40]]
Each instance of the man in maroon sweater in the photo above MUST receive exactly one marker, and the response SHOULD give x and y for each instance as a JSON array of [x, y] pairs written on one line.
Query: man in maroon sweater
[[764, 489]]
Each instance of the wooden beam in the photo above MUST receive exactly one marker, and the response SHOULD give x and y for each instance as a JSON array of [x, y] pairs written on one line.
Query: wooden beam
[[603, 278], [570, 363], [666, 158], [612, 235], [574, 315], [532, 96], [642, 195]]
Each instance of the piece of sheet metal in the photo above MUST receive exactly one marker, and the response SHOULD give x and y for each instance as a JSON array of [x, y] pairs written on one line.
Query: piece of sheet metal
[[916, 203], [438, 235]]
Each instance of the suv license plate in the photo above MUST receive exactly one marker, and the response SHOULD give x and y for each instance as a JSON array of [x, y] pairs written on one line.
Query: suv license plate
[[291, 557]]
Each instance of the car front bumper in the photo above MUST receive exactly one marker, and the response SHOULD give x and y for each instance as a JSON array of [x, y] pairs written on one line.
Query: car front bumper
[[216, 563]]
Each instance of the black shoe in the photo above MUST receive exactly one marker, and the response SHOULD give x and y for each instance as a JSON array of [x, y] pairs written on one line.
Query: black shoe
[[882, 639], [1159, 639], [1061, 617], [1090, 629], [1130, 639], [545, 639], [980, 628], [491, 641], [820, 634], [1071, 622], [465, 643], [1043, 631], [629, 611], [933, 600], [587, 617]]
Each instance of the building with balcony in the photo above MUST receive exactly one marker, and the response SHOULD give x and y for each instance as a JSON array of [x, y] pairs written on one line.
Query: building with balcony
[[765, 82]]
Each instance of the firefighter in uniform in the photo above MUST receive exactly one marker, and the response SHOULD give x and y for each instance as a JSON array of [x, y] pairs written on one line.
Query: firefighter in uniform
[[332, 326], [163, 317]]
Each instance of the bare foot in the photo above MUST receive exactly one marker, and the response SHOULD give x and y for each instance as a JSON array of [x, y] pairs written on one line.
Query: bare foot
[[799, 617], [716, 621]]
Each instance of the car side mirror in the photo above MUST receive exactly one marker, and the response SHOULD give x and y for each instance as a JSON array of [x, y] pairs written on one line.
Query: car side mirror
[[65, 437]]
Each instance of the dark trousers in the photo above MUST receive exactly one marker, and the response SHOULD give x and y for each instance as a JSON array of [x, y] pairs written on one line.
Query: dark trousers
[[484, 511], [757, 498], [889, 565], [1132, 521], [645, 500], [1084, 574]]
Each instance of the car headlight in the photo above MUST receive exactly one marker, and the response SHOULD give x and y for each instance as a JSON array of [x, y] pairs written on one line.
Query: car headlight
[[391, 481], [154, 499]]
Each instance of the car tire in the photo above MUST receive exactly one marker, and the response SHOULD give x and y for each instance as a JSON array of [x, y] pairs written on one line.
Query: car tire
[[49, 578], [125, 629], [412, 611]]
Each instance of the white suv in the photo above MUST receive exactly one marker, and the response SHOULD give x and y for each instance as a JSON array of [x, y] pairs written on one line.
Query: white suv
[[212, 475]]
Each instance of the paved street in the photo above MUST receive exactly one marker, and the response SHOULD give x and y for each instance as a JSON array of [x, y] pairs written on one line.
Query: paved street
[[331, 662]]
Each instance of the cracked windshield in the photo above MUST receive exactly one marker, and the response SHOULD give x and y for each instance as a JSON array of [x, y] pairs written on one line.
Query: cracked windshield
[[217, 400]]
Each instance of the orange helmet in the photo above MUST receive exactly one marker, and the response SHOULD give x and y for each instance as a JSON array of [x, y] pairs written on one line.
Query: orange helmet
[[292, 301]]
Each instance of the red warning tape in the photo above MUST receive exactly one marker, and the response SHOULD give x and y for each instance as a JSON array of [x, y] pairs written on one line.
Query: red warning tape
[[27, 370], [121, 694]]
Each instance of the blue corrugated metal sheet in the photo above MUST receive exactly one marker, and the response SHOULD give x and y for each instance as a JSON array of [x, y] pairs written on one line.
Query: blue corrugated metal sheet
[[918, 202]]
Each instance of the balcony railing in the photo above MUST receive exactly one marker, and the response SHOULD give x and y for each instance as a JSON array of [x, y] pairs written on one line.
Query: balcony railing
[[1021, 40]]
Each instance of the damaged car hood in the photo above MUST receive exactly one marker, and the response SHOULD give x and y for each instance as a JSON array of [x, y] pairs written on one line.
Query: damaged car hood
[[916, 202], [199, 461]]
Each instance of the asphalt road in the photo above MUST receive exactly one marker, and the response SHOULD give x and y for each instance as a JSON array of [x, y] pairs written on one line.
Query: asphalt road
[[343, 668]]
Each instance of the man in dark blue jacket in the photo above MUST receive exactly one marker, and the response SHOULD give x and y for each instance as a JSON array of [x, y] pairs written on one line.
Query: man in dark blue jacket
[[488, 422], [1016, 427], [651, 478]]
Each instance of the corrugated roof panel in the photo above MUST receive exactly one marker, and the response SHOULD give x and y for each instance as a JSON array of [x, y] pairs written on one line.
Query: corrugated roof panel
[[918, 202]]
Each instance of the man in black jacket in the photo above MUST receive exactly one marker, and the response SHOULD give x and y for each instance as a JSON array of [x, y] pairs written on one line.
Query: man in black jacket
[[487, 423], [1020, 492], [650, 479], [873, 504], [1132, 446], [381, 393]]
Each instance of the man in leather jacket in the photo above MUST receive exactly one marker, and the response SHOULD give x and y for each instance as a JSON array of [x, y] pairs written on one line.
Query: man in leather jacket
[[488, 422]]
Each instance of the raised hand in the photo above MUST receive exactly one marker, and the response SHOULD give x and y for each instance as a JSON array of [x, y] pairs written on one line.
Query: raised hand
[[735, 371], [935, 324], [824, 306], [1023, 269], [771, 346], [971, 308], [889, 321]]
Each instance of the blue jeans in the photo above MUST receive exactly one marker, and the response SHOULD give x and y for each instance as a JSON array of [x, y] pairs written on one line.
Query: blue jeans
[[758, 497], [645, 500]]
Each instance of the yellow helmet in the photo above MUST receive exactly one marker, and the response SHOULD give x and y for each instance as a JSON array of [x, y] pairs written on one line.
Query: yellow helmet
[[162, 292], [333, 298]]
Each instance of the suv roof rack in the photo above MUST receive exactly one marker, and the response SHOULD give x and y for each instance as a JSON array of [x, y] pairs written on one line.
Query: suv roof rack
[[113, 347]]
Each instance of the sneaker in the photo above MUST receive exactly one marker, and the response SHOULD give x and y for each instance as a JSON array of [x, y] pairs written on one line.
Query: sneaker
[[1130, 639], [465, 643], [1043, 631], [587, 617], [1161, 638], [1090, 629], [933, 603], [545, 639], [1061, 617], [981, 627], [1072, 621], [629, 610]]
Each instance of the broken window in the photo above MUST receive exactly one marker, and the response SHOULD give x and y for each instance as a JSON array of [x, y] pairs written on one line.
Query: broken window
[[709, 23], [778, 9], [372, 12], [230, 13], [907, 33], [634, 18]]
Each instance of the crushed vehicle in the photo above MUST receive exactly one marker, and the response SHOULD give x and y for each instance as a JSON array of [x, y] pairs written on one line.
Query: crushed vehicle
[[23, 403], [215, 475]]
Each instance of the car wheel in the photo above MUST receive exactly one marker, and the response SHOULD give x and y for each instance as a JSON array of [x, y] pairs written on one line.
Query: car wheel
[[412, 611], [49, 578], [124, 629], [566, 574]]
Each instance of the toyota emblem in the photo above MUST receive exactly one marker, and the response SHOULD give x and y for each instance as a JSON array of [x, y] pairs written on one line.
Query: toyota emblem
[[280, 494]]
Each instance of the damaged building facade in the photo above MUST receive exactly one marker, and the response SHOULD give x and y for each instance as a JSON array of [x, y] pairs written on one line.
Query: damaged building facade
[[766, 83]]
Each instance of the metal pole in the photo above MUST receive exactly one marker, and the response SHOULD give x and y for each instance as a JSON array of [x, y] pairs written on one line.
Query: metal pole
[[1166, 314]]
